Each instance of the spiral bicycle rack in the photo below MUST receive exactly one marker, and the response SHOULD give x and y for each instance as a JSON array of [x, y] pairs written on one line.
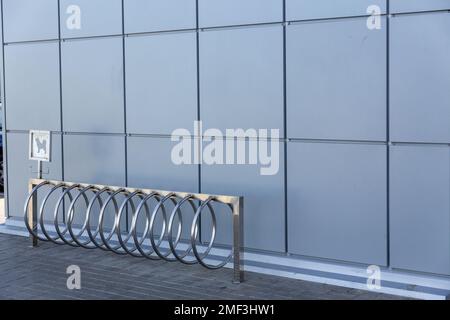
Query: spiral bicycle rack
[[132, 242]]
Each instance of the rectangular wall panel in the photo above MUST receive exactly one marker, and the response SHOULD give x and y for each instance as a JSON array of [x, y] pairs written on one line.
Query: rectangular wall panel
[[86, 18], [92, 80], [317, 9], [336, 80], [159, 15], [241, 78], [161, 82], [150, 165], [397, 6], [95, 159], [420, 208], [213, 13], [32, 86], [337, 207], [20, 170], [264, 209], [420, 78], [30, 20]]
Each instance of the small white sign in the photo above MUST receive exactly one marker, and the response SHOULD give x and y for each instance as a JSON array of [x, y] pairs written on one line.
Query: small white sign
[[40, 144]]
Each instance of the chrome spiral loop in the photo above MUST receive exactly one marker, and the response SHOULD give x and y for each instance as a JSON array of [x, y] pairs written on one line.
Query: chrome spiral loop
[[158, 237]]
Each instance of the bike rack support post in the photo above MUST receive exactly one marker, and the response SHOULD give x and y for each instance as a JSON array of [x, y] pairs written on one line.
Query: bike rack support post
[[235, 203], [32, 215], [238, 240]]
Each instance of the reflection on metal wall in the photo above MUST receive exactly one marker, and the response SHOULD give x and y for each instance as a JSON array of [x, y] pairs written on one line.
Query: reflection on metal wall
[[362, 112]]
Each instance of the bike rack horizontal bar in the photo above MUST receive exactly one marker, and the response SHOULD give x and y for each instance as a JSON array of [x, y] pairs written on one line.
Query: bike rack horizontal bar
[[33, 220]]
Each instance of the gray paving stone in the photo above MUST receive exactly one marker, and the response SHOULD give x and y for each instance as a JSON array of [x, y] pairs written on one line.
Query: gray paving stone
[[40, 273]]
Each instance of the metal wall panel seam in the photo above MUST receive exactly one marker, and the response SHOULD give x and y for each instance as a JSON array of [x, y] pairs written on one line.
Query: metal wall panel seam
[[286, 235], [157, 135], [367, 142], [61, 98], [91, 38], [5, 142], [125, 108], [419, 12], [332, 19], [199, 166], [30, 41], [150, 33], [366, 16], [243, 26], [388, 138], [230, 26], [414, 143], [81, 133]]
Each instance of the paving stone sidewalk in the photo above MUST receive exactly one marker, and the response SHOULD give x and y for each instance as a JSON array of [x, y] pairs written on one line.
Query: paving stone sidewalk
[[40, 273]]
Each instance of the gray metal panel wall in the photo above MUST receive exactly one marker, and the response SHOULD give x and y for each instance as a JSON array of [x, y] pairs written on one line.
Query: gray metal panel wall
[[127, 105], [30, 20], [420, 208], [337, 201], [161, 82], [420, 78], [32, 83], [159, 15], [98, 18], [329, 100]]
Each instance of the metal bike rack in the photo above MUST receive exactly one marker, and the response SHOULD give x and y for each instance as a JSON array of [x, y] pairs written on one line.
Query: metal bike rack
[[133, 243]]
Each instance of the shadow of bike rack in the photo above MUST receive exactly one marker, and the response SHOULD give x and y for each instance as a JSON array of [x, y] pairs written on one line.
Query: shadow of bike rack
[[133, 242]]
